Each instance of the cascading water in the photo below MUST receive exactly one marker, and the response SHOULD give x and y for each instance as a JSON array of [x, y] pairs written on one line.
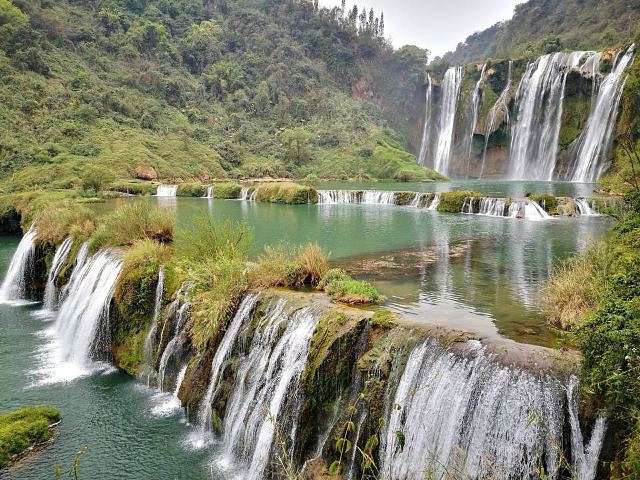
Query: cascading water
[[474, 417], [370, 197], [241, 318], [209, 193], [583, 208], [265, 385], [435, 202], [426, 127], [78, 263], [473, 119], [151, 334], [171, 347], [375, 197], [527, 209], [246, 194], [499, 110], [450, 91], [51, 292], [21, 267], [166, 190], [593, 143], [488, 206], [534, 141]]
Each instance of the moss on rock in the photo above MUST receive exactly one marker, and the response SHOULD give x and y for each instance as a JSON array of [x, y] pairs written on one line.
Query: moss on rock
[[286, 192]]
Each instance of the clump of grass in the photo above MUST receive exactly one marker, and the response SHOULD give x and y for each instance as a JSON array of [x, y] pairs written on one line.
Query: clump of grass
[[64, 220], [383, 318], [24, 428], [131, 222], [285, 266], [133, 187], [286, 192], [342, 288], [452, 202], [191, 190], [575, 287], [228, 190]]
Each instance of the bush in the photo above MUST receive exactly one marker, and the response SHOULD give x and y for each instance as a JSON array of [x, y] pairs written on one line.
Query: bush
[[24, 428], [284, 266], [191, 190], [95, 177], [133, 221], [344, 289], [286, 192]]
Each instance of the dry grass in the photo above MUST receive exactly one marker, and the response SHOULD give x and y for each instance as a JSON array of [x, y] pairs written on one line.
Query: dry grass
[[575, 287], [284, 266], [56, 223]]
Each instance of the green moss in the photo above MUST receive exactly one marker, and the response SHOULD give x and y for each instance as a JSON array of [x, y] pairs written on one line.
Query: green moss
[[191, 190], [383, 318], [390, 161], [24, 428], [344, 289], [227, 190], [129, 352], [286, 192], [404, 198], [452, 202]]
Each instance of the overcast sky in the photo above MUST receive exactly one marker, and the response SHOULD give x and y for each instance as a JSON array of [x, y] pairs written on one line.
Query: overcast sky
[[434, 24]]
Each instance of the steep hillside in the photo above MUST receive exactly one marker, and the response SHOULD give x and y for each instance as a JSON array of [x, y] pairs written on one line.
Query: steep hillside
[[545, 26], [92, 92]]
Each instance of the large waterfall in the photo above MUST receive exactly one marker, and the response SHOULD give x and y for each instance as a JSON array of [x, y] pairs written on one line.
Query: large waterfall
[[50, 301], [473, 118], [14, 286], [593, 143], [478, 419], [534, 141], [450, 92], [426, 127]]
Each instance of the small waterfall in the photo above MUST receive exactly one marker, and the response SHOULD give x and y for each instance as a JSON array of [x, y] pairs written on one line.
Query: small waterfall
[[151, 334], [370, 197], [171, 347], [51, 292], [78, 324], [499, 108], [492, 207], [583, 208], [244, 194], [265, 385], [426, 127], [208, 195], [450, 91], [474, 417], [167, 191], [78, 263], [534, 141], [473, 120], [376, 197], [415, 203], [593, 143], [14, 287], [242, 317], [527, 209], [435, 202]]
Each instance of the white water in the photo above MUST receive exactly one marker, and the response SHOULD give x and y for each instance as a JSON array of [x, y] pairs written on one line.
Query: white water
[[241, 318], [209, 193], [527, 209], [490, 207], [593, 143], [474, 417], [78, 263], [170, 349], [50, 301], [435, 202], [13, 288], [151, 334], [583, 208], [266, 380], [81, 323], [450, 91], [244, 194], [534, 141], [166, 404], [426, 127], [370, 197], [499, 108], [166, 191], [475, 104]]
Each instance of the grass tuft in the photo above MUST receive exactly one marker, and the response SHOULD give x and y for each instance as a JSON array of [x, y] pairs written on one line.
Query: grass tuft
[[289, 267], [344, 289]]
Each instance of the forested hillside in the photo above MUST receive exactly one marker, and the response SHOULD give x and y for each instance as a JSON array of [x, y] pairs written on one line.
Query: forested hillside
[[545, 26], [96, 91]]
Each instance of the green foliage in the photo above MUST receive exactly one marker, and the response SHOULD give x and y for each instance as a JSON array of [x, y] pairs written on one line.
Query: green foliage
[[133, 221], [227, 190], [286, 192], [191, 190], [548, 202], [452, 202], [95, 177], [24, 428], [344, 289], [133, 187]]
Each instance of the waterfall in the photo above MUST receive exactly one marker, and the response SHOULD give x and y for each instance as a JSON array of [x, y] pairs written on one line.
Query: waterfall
[[415, 203], [208, 195], [167, 191], [450, 91], [500, 107], [78, 324], [171, 347], [14, 286], [474, 417], [242, 317], [78, 263], [492, 207], [370, 197], [265, 385], [426, 127], [165, 404], [244, 194], [435, 202], [376, 197], [594, 141], [534, 141], [51, 292], [583, 208], [157, 305], [475, 104], [527, 209]]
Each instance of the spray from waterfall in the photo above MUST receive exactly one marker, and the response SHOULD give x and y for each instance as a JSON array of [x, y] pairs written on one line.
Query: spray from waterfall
[[14, 286], [593, 143], [500, 110], [450, 92], [51, 291], [473, 119], [149, 342], [426, 127]]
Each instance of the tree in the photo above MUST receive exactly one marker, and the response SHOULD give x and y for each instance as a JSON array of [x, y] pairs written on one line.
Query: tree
[[202, 46], [297, 142], [95, 177]]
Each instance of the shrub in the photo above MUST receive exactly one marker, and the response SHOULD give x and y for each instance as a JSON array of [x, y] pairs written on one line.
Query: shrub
[[24, 428], [191, 190], [286, 192], [284, 266], [95, 177], [133, 221], [206, 239], [344, 289], [133, 188]]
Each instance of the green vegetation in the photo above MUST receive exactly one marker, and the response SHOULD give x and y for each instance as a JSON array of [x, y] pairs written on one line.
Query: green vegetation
[[24, 428], [227, 190], [545, 26], [191, 190], [344, 289], [548, 202], [63, 220], [289, 267], [452, 202], [286, 192]]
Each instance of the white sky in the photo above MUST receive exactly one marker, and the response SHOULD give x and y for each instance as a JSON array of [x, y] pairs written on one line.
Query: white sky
[[438, 25]]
